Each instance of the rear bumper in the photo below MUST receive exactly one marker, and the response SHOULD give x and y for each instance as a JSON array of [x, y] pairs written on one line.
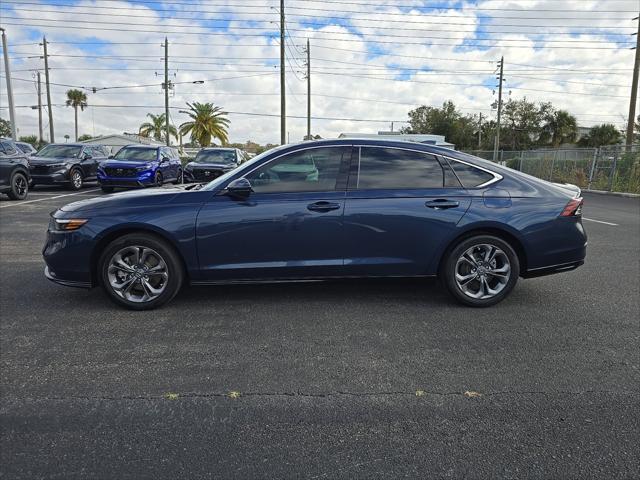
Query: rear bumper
[[550, 270]]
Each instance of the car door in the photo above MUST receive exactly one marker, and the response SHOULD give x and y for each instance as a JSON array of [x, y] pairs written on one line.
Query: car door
[[289, 227], [90, 160], [9, 158], [401, 206]]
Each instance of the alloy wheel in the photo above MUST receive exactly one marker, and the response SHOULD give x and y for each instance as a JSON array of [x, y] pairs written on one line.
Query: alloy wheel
[[21, 186], [76, 179], [137, 274], [482, 271]]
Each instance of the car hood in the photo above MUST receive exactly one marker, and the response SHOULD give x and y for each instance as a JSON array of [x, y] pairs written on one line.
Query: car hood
[[213, 166], [125, 164], [35, 160], [133, 198]]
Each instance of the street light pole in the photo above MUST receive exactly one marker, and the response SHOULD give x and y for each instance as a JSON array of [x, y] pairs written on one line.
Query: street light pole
[[166, 89], [12, 110]]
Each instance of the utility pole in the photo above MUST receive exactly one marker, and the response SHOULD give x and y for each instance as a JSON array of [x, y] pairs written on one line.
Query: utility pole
[[48, 87], [308, 91], [480, 132], [12, 109], [166, 90], [283, 106], [496, 145], [634, 88], [41, 139]]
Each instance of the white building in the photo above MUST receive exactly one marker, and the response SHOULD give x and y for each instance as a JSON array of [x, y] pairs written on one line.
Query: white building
[[116, 142], [437, 140]]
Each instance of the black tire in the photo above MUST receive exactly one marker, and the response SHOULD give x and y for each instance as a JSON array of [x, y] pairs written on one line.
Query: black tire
[[480, 272], [174, 269], [157, 180], [75, 179], [19, 186], [107, 189]]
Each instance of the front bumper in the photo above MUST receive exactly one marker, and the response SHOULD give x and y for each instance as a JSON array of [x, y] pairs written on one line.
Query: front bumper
[[68, 257], [125, 182], [50, 178], [67, 283]]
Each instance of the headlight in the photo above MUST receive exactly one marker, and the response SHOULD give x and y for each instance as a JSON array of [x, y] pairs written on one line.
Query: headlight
[[57, 165], [67, 224]]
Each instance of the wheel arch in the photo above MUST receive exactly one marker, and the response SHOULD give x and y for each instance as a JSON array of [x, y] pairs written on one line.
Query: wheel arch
[[112, 235], [496, 231]]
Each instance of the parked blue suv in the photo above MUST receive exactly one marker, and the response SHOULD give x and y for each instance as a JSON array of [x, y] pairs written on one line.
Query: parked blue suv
[[140, 166]]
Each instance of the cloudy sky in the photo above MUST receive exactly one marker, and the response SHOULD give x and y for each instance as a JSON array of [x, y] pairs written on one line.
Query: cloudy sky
[[371, 61]]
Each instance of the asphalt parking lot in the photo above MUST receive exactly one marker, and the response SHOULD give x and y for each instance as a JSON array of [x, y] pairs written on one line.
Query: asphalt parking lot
[[351, 379]]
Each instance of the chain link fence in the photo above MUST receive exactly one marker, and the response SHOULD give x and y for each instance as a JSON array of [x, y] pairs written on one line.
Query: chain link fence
[[614, 168]]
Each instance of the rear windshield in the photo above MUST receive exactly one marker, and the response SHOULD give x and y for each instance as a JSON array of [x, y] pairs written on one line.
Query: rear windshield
[[216, 156], [136, 154], [60, 151]]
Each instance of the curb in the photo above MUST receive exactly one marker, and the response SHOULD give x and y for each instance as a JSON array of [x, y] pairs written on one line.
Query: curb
[[616, 194]]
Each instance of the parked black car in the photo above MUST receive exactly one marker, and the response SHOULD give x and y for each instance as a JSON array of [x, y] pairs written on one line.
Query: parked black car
[[26, 148], [14, 170], [210, 163], [69, 164]]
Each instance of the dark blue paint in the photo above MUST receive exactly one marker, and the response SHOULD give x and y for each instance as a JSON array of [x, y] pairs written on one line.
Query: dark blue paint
[[272, 236]]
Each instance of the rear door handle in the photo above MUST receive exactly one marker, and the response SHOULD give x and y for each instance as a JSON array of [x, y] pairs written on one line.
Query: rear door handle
[[441, 204], [323, 206]]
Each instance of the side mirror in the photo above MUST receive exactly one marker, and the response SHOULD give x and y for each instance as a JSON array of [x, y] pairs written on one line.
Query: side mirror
[[239, 188], [87, 156], [111, 156], [164, 160]]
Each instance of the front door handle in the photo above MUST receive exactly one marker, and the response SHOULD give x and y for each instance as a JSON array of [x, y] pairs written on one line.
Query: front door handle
[[323, 206], [441, 204]]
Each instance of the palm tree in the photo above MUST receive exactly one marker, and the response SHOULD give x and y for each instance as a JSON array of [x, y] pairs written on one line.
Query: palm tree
[[156, 128], [605, 134], [207, 122], [75, 99], [560, 127]]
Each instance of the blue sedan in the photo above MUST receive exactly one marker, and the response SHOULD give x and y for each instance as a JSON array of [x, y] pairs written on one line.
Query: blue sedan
[[323, 210]]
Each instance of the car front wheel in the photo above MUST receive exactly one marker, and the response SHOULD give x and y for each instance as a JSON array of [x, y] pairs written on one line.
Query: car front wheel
[[140, 271], [75, 177], [158, 179], [481, 271], [19, 187]]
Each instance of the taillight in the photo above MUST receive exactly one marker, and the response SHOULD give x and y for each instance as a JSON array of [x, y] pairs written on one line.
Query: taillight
[[573, 208]]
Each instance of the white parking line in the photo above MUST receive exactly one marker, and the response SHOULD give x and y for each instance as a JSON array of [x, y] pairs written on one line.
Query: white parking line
[[600, 221], [13, 204]]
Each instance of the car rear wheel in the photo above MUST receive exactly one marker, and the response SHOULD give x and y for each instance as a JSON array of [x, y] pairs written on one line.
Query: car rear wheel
[[19, 187], [140, 271], [75, 179], [179, 178], [481, 271]]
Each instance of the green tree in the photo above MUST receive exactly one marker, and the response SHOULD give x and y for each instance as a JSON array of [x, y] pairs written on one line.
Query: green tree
[[207, 122], [560, 127], [457, 128], [600, 135], [5, 128], [84, 137], [156, 128], [522, 123], [30, 139], [76, 99]]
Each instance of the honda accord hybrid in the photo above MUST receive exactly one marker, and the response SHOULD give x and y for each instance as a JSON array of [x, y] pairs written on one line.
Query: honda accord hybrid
[[323, 210]]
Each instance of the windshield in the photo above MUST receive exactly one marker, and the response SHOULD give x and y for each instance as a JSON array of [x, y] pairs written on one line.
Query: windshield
[[216, 156], [134, 154], [60, 151], [246, 167]]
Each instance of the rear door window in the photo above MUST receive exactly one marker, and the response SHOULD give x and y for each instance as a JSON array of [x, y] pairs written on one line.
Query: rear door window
[[393, 168]]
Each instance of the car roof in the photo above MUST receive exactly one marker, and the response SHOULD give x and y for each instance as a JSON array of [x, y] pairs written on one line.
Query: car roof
[[145, 147], [217, 148]]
